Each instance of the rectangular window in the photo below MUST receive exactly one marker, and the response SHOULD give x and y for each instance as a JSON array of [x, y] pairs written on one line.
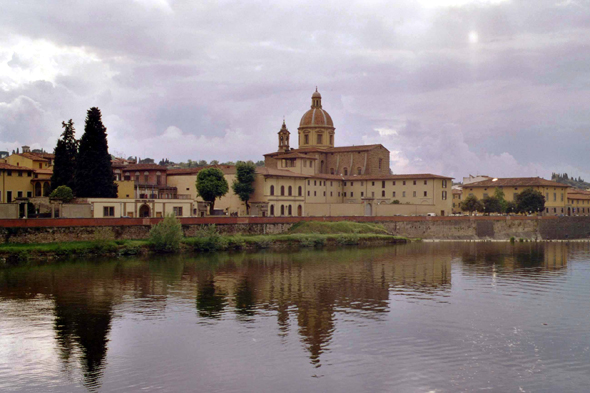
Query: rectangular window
[[362, 183], [108, 211], [8, 196], [414, 194], [308, 182], [372, 194], [29, 194], [383, 193], [145, 179], [29, 174], [362, 194], [351, 194], [414, 182], [137, 178], [562, 197], [403, 194], [393, 194], [404, 183], [351, 183], [177, 211], [554, 197], [394, 183], [345, 184], [319, 139], [344, 194], [425, 193], [19, 194], [331, 184], [444, 195], [308, 193], [425, 182], [315, 193], [324, 193], [8, 173], [382, 184], [330, 193], [306, 139], [339, 193], [373, 183], [20, 174], [444, 183]]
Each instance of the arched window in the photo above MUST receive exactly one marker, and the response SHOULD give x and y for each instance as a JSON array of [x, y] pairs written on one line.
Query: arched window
[[272, 210], [299, 210], [290, 190], [272, 192], [345, 171], [282, 210], [358, 170], [290, 210], [299, 191], [282, 190], [146, 177], [158, 178], [137, 177]]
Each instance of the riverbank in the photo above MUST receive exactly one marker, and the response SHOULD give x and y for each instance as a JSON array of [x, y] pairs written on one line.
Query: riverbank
[[12, 254]]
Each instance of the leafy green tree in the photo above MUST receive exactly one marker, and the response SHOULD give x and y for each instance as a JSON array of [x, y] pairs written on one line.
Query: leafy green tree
[[499, 194], [530, 201], [214, 162], [491, 204], [211, 184], [260, 163], [94, 175], [471, 204], [202, 163], [511, 207], [243, 184], [62, 192], [65, 152]]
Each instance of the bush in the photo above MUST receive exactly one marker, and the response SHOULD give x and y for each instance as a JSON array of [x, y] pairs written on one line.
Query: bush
[[62, 192], [103, 239], [166, 235]]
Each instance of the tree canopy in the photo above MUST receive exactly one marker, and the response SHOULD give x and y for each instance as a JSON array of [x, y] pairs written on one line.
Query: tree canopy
[[62, 192], [66, 151], [94, 175], [211, 184], [530, 201], [243, 185], [471, 204]]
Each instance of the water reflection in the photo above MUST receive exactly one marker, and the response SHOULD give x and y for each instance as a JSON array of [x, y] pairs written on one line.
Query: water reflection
[[309, 293]]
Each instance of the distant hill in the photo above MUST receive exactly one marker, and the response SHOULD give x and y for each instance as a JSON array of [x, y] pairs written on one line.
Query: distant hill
[[563, 178]]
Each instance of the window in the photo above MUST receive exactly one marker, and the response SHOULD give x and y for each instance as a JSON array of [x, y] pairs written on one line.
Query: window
[[145, 177], [383, 193], [358, 170], [394, 183], [351, 194], [414, 182], [315, 183], [29, 174], [29, 194], [299, 191], [362, 194], [425, 182], [330, 193], [331, 184], [272, 190], [137, 177], [304, 163], [345, 171], [315, 193], [324, 193], [177, 211], [403, 194], [554, 196], [108, 211], [444, 183], [414, 194], [19, 194], [272, 210], [158, 178], [290, 191], [282, 210], [338, 193], [425, 193], [8, 196], [319, 139], [282, 190], [331, 171], [290, 210], [404, 182], [8, 173], [562, 197], [331, 139], [306, 139], [383, 184], [352, 183], [345, 184], [444, 195], [393, 194], [20, 174]]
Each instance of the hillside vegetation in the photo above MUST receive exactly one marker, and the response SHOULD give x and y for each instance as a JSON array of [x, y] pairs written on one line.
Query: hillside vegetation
[[563, 178], [340, 227]]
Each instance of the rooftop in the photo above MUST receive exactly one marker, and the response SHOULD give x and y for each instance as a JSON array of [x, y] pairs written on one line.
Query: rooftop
[[516, 182]]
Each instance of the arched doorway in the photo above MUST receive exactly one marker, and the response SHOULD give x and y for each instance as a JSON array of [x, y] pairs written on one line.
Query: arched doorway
[[38, 191], [272, 210], [299, 210], [290, 210], [46, 189], [368, 209], [144, 211]]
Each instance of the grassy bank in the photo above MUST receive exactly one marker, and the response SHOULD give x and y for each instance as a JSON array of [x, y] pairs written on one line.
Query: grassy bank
[[307, 234]]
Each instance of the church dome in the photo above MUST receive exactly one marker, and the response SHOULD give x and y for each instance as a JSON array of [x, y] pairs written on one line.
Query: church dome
[[316, 116]]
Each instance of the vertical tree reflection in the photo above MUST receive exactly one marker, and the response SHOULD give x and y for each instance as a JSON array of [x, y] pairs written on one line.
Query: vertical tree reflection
[[210, 300]]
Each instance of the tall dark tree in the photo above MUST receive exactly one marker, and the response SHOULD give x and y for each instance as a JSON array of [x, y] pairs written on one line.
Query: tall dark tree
[[65, 152], [94, 176], [530, 201], [243, 184]]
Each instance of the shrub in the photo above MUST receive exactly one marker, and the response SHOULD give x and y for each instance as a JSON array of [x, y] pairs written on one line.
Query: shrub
[[103, 239], [62, 192], [166, 235], [236, 242]]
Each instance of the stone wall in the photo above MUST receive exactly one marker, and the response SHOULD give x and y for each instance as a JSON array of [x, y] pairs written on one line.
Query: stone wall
[[450, 228]]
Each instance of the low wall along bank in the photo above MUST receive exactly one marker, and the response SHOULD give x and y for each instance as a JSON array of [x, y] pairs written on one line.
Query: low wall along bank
[[449, 228]]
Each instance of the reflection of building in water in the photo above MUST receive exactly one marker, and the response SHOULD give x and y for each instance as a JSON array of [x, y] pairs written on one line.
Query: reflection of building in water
[[517, 258], [310, 288]]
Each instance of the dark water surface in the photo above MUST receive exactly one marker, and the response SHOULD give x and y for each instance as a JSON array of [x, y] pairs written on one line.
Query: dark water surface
[[431, 317]]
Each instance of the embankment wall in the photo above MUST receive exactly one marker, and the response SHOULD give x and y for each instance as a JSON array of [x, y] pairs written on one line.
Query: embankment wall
[[449, 228]]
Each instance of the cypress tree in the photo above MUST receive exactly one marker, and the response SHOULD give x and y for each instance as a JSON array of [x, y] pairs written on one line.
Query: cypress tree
[[65, 158], [94, 176]]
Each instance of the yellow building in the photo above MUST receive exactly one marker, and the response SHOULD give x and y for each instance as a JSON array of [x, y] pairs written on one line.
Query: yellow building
[[578, 202], [15, 182], [457, 199], [555, 193]]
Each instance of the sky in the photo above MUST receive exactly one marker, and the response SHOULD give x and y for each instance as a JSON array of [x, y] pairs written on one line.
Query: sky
[[452, 87]]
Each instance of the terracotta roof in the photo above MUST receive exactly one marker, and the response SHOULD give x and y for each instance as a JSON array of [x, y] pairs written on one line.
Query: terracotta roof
[[516, 182], [44, 171], [33, 156], [265, 171], [316, 117], [574, 193], [13, 167], [295, 155], [457, 191], [226, 169], [142, 167], [397, 177]]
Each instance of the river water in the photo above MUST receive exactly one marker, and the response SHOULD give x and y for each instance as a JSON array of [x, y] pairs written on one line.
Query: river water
[[422, 317]]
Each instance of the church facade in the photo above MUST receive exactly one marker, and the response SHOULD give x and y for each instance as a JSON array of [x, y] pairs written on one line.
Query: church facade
[[320, 179]]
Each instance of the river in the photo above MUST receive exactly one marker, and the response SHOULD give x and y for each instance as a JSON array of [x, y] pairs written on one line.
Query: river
[[421, 317]]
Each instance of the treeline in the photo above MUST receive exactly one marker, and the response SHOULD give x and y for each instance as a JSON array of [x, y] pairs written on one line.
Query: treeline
[[563, 178], [193, 164], [527, 202]]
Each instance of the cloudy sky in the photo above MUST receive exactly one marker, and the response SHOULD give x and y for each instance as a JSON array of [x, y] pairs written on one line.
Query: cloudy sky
[[453, 87]]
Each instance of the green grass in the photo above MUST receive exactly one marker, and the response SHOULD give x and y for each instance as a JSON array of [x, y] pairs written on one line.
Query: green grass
[[338, 227]]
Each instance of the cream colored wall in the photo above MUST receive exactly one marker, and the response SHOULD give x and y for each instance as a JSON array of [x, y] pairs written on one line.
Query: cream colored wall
[[334, 209], [185, 184], [18, 160], [158, 208], [277, 200]]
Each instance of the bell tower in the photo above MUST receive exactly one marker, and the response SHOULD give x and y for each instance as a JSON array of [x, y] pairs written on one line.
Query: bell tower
[[284, 138]]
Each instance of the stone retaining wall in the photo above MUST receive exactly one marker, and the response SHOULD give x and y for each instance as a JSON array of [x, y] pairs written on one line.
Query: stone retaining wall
[[450, 228]]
